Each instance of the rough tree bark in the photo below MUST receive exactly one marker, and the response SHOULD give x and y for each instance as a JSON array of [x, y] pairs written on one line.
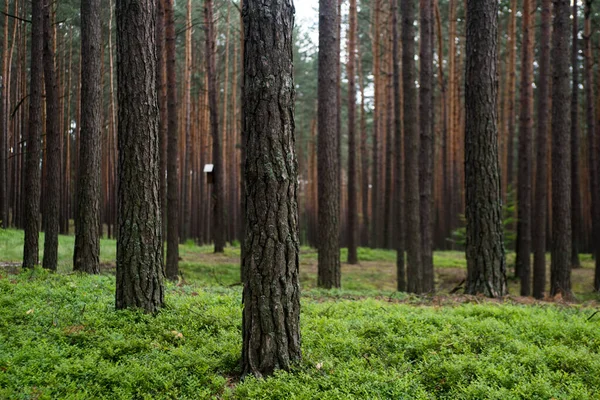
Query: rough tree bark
[[412, 219], [398, 164], [140, 272], [541, 186], [161, 78], [576, 211], [219, 178], [486, 260], [271, 316], [329, 271], [561, 152], [31, 196], [86, 257], [53, 146], [427, 143], [523, 261], [352, 172], [172, 268]]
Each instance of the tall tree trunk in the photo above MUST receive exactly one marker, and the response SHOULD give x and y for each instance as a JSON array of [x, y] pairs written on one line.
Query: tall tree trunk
[[32, 166], [561, 153], [352, 173], [53, 147], [575, 145], [161, 76], [271, 316], [172, 267], [509, 120], [592, 141], [398, 164], [541, 186], [523, 262], [426, 154], [86, 257], [187, 210], [375, 195], [139, 250], [4, 124], [329, 271], [411, 150], [219, 178], [364, 156], [486, 260]]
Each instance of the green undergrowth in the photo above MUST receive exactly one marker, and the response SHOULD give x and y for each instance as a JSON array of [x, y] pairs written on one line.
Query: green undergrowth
[[60, 337]]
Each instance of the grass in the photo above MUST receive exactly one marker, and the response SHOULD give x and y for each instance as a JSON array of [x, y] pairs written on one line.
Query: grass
[[60, 336]]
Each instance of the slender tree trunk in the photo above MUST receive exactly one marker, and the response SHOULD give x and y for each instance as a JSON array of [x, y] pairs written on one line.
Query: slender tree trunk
[[411, 150], [187, 210], [364, 156], [4, 124], [53, 147], [32, 166], [352, 173], [541, 187], [139, 243], [271, 316], [375, 190], [486, 261], [172, 268], [219, 183], [575, 145], [329, 271], [161, 74], [426, 154], [561, 151], [523, 262]]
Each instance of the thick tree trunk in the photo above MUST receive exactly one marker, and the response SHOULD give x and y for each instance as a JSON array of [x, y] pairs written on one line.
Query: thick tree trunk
[[352, 173], [86, 257], [486, 261], [561, 153], [172, 268], [592, 142], [375, 195], [31, 195], [541, 187], [575, 145], [4, 125], [411, 151], [426, 154], [329, 273], [139, 242], [219, 177], [53, 147], [186, 181], [523, 262], [271, 316]]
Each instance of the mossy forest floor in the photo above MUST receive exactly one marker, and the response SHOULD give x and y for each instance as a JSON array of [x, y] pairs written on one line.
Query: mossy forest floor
[[60, 337]]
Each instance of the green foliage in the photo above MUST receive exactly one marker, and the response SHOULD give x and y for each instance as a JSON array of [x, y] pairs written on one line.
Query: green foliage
[[60, 337], [459, 236]]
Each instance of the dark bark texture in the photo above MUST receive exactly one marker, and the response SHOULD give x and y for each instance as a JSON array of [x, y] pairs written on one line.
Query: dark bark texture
[[575, 144], [486, 260], [398, 164], [329, 271], [523, 261], [172, 268], [271, 316], [219, 178], [140, 272], [427, 143], [352, 171], [414, 272], [161, 82], [541, 186], [561, 152], [53, 147], [87, 224], [31, 196]]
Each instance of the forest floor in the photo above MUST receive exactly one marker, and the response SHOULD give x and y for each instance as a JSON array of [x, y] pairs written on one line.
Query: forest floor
[[60, 336]]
